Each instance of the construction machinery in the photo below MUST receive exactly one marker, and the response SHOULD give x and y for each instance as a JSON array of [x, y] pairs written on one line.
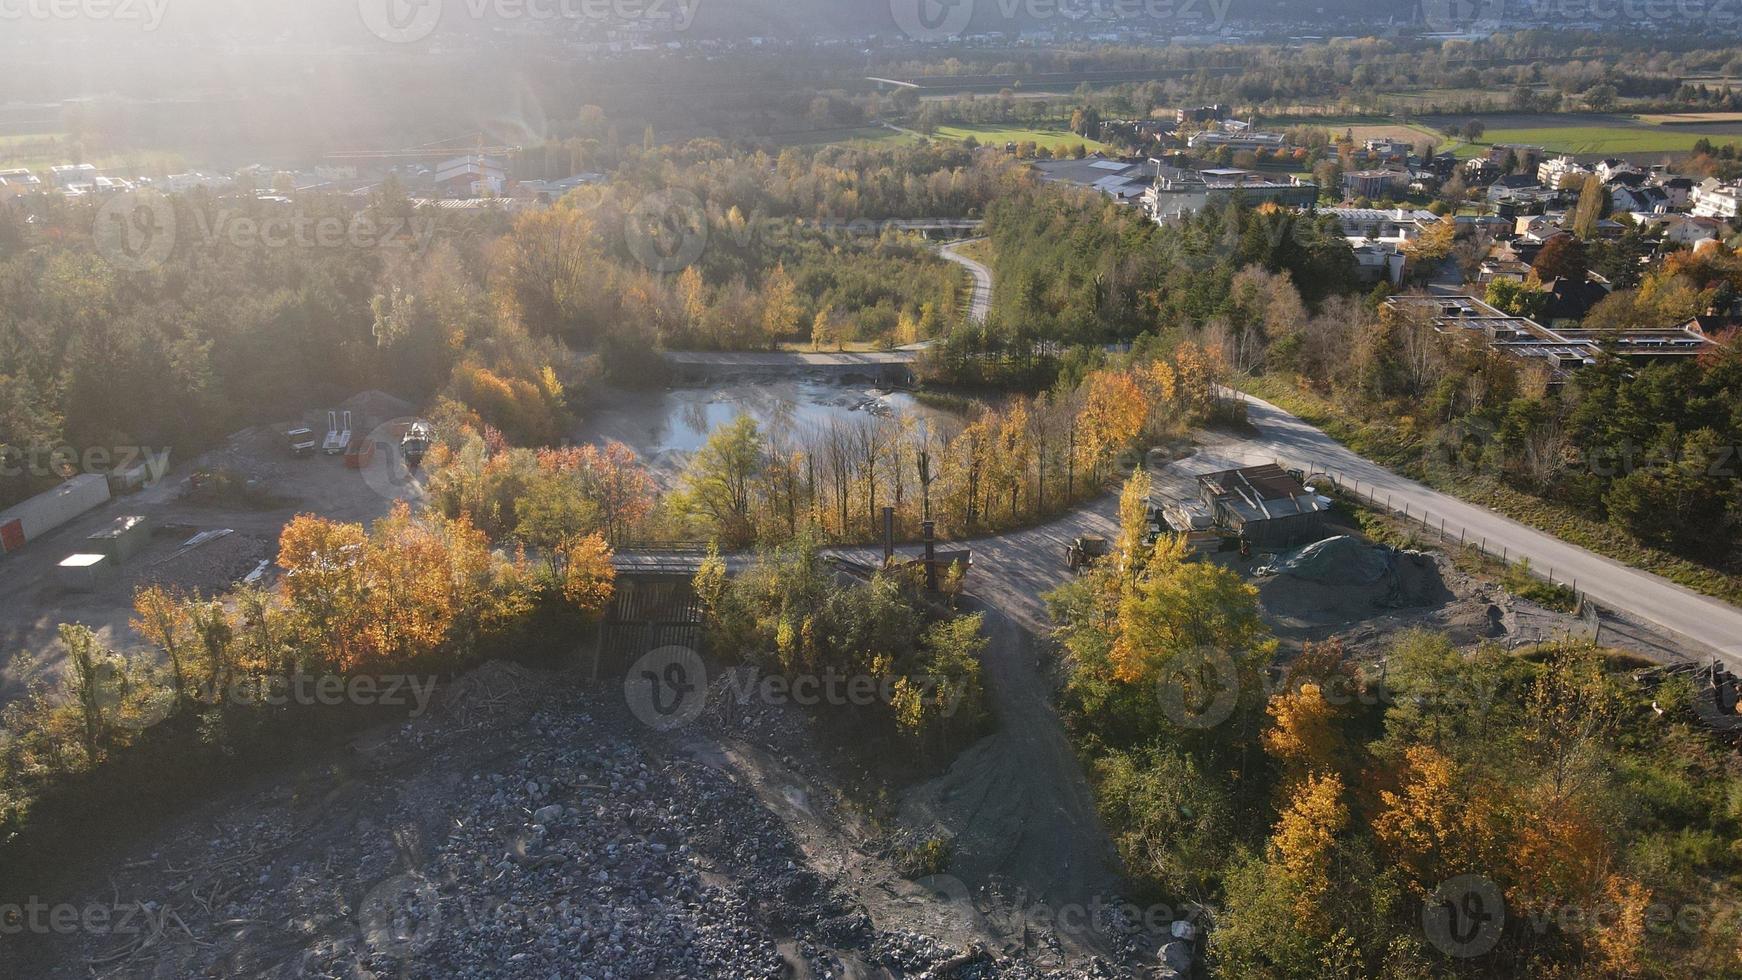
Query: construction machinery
[[338, 438], [300, 441], [414, 445], [1085, 551]]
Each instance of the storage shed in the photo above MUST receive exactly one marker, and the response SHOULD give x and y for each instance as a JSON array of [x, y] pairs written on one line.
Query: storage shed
[[85, 572], [1265, 505], [122, 539]]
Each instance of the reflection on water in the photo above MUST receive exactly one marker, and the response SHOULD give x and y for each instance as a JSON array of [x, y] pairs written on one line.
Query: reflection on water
[[666, 426]]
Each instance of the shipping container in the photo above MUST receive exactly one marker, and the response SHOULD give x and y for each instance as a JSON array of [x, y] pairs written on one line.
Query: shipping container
[[85, 572], [46, 511], [123, 539], [140, 475]]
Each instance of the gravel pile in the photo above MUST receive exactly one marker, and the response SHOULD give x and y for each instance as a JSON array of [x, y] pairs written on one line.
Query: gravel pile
[[572, 843]]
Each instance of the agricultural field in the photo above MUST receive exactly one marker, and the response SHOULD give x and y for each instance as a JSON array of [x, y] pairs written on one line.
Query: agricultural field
[[857, 136], [1053, 139], [1592, 136], [1362, 128]]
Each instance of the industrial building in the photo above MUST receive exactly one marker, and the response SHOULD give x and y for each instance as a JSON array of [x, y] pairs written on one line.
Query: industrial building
[[1265, 506]]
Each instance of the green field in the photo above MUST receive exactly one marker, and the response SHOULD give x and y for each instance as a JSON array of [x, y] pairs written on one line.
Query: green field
[[1616, 135], [858, 136], [1053, 139]]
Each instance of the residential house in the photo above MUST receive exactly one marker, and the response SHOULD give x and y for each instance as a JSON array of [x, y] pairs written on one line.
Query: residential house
[[1553, 173], [1714, 198], [1381, 224], [1569, 300], [1389, 149], [1647, 198], [1611, 168], [1679, 190], [1480, 171]]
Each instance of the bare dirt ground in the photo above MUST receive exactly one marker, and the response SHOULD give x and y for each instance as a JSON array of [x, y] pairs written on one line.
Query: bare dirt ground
[[531, 828], [33, 604]]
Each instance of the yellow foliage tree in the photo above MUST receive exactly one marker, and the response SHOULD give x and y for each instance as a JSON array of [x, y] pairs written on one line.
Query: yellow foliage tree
[[1301, 848]]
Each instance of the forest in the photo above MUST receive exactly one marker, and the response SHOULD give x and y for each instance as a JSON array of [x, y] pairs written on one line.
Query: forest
[[489, 318], [1319, 809]]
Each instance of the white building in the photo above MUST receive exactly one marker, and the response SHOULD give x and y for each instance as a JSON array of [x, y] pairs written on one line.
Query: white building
[[1381, 224], [68, 174], [1550, 173], [474, 175], [1715, 199], [1210, 139]]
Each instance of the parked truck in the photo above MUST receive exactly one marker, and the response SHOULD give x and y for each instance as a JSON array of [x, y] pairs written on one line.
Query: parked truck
[[301, 441]]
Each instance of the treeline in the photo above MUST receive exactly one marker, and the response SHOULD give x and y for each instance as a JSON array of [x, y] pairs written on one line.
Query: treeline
[[1076, 269], [1647, 449], [1004, 467], [1529, 71], [495, 319], [416, 594], [1488, 813]]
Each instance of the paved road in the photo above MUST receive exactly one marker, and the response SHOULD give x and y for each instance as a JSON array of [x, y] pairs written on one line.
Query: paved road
[[981, 305], [1702, 619]]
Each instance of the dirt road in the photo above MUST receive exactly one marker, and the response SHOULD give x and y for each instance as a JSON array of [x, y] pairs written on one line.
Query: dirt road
[[981, 305], [1701, 619]]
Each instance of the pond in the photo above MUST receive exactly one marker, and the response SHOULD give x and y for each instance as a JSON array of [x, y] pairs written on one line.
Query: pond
[[666, 427]]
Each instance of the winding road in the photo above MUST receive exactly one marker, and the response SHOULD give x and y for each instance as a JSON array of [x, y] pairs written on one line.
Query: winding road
[[980, 306]]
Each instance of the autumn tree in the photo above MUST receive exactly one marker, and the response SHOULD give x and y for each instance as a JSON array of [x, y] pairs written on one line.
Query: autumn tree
[[160, 615], [780, 309], [589, 576], [718, 485]]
